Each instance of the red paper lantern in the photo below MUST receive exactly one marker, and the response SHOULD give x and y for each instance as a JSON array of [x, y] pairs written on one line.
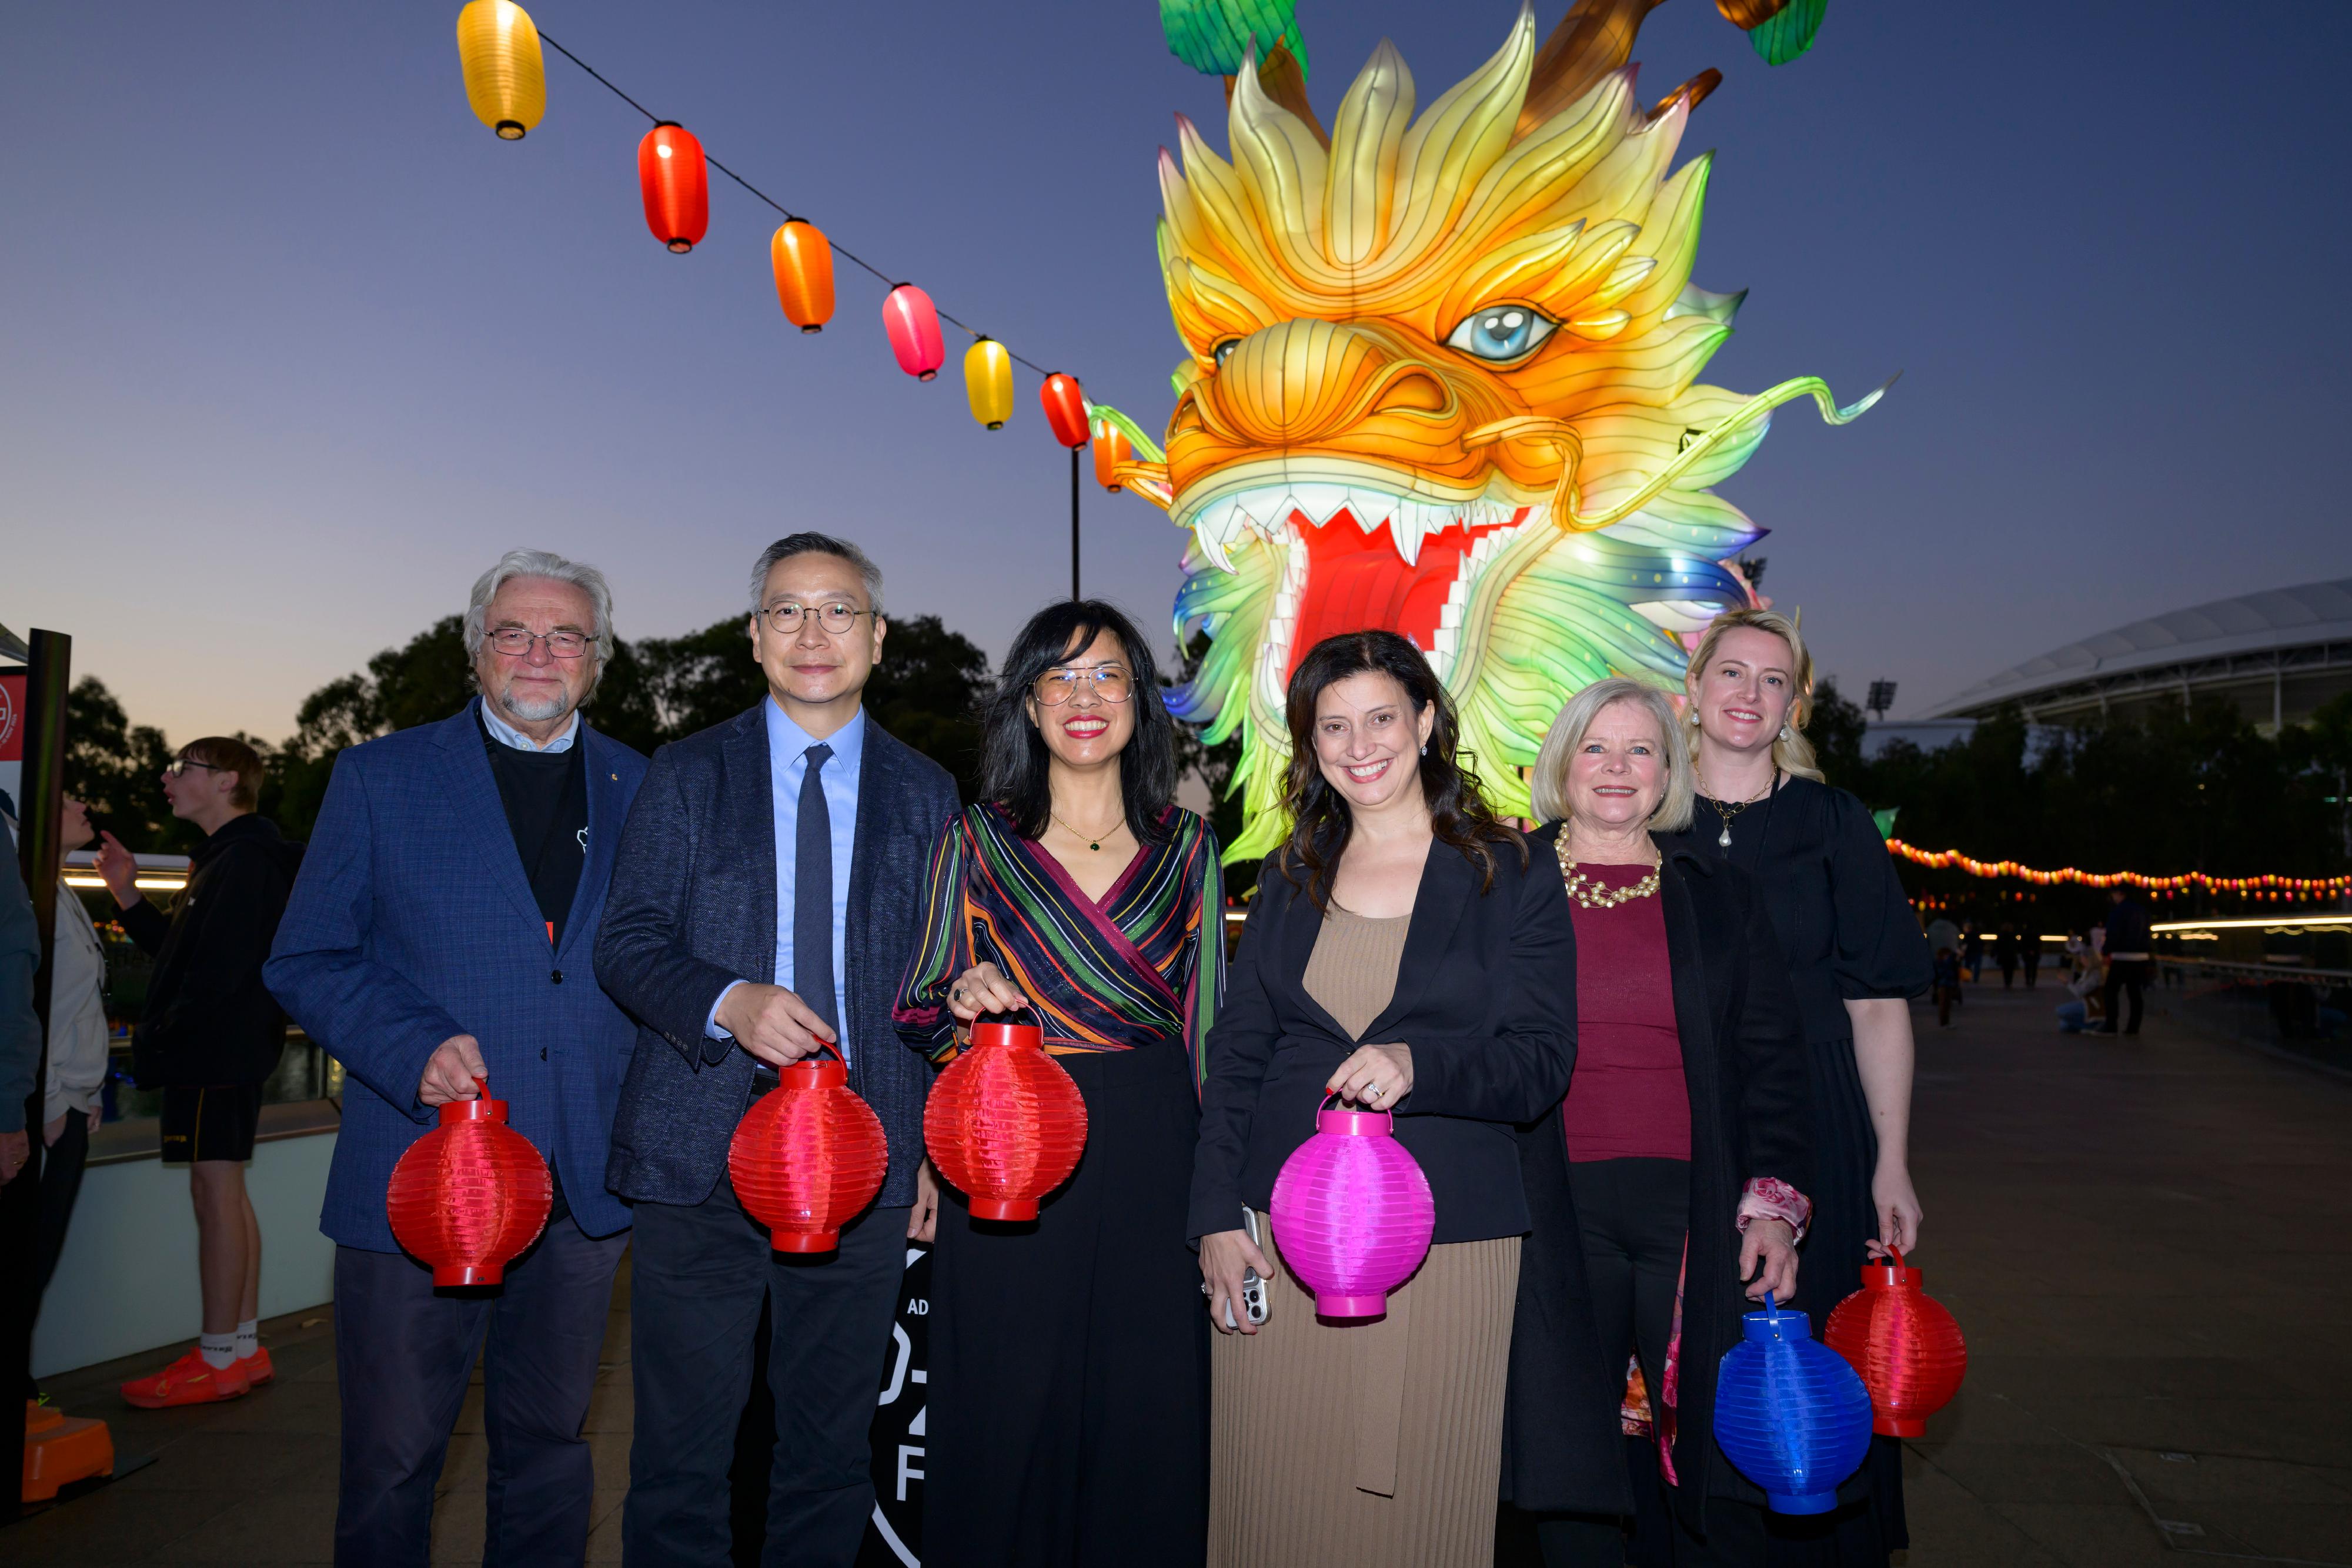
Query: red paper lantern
[[1905, 1345], [470, 1195], [913, 323], [676, 186], [1111, 448], [808, 1157], [1004, 1124], [1066, 407]]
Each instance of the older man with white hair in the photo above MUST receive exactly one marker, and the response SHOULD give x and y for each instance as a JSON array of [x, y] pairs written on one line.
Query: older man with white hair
[[440, 945]]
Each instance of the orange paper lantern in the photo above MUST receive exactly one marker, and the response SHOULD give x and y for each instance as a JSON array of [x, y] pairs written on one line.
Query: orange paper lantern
[[1004, 1124], [1111, 448], [676, 184], [471, 1196], [807, 1157], [802, 258]]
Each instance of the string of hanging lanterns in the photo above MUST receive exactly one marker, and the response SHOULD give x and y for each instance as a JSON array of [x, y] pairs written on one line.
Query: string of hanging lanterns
[[2270, 889], [498, 51]]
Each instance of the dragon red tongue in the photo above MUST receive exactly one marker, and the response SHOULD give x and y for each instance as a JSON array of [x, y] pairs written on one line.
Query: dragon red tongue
[[1357, 580]]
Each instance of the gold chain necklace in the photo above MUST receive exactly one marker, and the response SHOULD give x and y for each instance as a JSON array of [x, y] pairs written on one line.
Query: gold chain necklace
[[1094, 841], [1590, 890], [1736, 806]]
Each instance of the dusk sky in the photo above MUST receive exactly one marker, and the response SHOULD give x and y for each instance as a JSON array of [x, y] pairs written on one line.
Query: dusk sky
[[295, 347]]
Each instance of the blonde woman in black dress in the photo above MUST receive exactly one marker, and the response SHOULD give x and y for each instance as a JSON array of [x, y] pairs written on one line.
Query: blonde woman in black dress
[[1856, 954]]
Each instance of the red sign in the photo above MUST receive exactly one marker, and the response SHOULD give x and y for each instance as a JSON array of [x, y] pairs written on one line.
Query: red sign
[[12, 716]]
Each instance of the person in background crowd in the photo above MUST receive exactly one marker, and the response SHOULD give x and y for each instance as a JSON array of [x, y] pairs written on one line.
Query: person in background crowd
[[210, 1035], [77, 1043], [2029, 947], [439, 943], [2004, 953], [1404, 953], [767, 899], [1672, 1180], [2084, 981], [1972, 949], [2128, 949], [1069, 1426], [20, 1026], [1856, 954], [1946, 981], [1942, 932]]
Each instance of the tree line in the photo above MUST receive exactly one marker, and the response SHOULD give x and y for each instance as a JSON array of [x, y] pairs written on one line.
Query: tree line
[[2181, 787]]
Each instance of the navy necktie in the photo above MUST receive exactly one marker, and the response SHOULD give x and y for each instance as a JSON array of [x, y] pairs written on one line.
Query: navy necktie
[[813, 893]]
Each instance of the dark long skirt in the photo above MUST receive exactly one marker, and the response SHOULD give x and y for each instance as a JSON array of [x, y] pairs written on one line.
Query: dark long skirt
[[1869, 1521], [1069, 1357]]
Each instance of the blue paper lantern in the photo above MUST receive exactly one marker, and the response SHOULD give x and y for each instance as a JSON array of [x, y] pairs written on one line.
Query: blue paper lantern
[[1789, 1412]]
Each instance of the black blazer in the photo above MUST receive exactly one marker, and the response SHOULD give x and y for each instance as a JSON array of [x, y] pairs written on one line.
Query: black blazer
[[693, 908], [1484, 997], [1751, 1115]]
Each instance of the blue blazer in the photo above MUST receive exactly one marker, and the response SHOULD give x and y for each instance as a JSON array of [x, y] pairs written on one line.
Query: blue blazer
[[693, 908], [412, 921]]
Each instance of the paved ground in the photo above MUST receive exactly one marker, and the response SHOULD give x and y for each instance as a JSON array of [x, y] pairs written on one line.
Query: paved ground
[[2148, 1242]]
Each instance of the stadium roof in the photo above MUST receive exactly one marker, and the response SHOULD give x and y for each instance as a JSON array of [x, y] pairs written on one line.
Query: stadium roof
[[2200, 646]]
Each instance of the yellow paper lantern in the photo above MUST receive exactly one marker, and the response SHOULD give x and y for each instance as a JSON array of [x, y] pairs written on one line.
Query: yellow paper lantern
[[506, 76], [988, 382]]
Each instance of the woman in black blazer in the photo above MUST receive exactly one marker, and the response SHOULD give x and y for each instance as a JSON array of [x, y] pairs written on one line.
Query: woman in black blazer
[[1403, 953], [1668, 1191]]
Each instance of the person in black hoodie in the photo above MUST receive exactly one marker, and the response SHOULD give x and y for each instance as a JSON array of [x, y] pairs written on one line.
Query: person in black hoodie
[[2129, 951], [210, 1035]]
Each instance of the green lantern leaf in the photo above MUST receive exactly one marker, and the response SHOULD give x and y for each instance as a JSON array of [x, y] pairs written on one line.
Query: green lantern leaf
[[1780, 38], [1212, 36]]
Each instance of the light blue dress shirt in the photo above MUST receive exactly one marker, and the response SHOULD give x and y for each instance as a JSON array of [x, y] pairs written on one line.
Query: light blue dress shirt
[[506, 734], [788, 745]]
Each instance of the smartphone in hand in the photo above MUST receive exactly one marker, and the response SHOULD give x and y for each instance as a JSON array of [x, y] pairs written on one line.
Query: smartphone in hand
[[1254, 1303]]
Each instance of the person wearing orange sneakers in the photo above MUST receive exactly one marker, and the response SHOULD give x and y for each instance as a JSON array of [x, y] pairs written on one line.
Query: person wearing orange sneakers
[[210, 1035]]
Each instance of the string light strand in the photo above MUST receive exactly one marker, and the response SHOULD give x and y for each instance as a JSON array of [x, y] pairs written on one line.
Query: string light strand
[[2270, 883]]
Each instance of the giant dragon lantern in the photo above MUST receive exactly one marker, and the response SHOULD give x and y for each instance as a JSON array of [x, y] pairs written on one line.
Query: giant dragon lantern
[[1442, 378]]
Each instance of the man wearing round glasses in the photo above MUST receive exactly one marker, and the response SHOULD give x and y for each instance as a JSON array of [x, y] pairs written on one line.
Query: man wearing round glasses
[[766, 901], [440, 945]]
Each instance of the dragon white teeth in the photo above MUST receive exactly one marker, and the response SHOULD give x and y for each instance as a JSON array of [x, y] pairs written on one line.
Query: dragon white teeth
[[1216, 527], [1318, 501]]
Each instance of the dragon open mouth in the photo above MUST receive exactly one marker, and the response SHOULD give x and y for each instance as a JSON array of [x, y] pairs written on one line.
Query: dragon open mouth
[[1354, 556]]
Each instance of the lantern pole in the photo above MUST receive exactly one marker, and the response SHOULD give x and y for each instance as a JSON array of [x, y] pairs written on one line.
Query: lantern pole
[[1074, 524]]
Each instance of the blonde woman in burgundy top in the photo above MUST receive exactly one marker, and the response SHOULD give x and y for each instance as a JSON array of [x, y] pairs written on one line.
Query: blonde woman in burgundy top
[[1667, 1189]]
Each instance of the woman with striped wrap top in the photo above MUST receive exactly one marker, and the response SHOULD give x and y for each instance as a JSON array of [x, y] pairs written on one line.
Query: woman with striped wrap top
[[1068, 1378]]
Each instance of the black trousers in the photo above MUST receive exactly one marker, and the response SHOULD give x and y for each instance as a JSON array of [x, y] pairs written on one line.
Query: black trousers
[[2130, 976], [1635, 1215], [403, 1354], [61, 1168], [1069, 1356], [696, 1281]]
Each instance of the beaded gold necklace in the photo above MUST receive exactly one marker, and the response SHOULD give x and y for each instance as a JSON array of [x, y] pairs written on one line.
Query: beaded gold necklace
[[1592, 892]]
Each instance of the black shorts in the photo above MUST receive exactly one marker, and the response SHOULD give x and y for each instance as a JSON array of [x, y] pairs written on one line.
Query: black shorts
[[210, 1121]]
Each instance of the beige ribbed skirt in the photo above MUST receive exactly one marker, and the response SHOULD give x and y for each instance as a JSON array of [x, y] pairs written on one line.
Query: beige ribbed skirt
[[1365, 1445]]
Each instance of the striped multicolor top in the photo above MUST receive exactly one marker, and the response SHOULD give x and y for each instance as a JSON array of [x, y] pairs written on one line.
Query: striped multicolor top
[[1143, 968]]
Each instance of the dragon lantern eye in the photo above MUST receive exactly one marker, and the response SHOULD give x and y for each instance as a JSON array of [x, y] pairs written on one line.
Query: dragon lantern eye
[[1223, 351], [1501, 332]]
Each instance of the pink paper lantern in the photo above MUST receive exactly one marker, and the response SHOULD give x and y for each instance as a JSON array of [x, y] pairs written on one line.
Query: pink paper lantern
[[913, 323], [1352, 1213]]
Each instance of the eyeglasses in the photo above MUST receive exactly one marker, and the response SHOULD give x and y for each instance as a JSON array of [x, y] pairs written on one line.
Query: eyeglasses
[[514, 642], [1111, 683], [836, 618], [178, 767]]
